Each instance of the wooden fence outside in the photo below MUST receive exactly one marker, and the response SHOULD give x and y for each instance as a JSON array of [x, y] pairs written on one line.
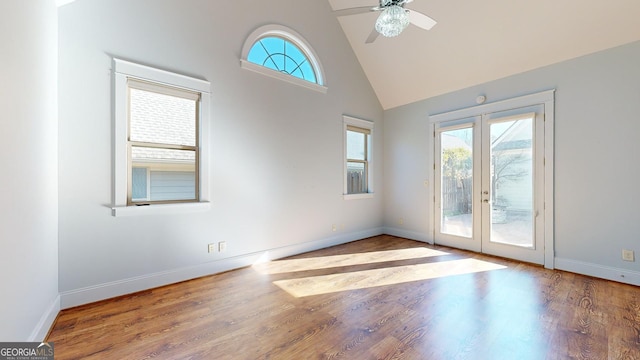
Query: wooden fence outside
[[355, 183], [456, 195]]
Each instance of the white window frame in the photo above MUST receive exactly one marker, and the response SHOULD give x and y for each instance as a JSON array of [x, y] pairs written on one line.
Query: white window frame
[[367, 125], [297, 39], [124, 70]]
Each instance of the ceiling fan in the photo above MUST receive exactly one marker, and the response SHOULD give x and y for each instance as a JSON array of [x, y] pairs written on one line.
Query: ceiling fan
[[393, 19]]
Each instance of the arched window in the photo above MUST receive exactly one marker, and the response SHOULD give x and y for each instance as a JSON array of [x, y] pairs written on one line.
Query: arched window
[[281, 53]]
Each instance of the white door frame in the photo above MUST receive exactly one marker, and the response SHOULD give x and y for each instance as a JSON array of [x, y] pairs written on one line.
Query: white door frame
[[545, 98]]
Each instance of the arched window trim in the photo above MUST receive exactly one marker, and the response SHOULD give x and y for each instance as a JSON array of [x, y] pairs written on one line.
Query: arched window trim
[[293, 37]]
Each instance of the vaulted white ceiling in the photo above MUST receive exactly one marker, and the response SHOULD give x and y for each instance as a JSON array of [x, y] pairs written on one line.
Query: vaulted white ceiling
[[478, 41]]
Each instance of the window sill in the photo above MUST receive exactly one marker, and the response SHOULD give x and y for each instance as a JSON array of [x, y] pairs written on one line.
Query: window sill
[[358, 196], [160, 209], [281, 76]]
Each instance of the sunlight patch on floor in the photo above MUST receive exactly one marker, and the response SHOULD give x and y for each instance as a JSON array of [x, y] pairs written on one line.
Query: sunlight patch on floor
[[326, 262], [325, 284]]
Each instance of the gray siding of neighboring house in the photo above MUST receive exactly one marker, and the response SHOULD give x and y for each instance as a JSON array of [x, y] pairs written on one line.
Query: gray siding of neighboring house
[[172, 185], [163, 185]]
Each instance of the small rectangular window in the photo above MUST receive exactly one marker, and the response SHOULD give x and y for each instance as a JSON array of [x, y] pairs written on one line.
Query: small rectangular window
[[139, 184], [357, 156], [161, 141], [357, 160]]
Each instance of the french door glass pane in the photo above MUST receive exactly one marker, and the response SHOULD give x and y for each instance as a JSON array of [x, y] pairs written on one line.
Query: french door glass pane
[[456, 159], [512, 182]]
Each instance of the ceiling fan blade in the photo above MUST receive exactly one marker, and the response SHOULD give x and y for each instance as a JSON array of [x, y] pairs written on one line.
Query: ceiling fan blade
[[421, 20], [354, 11], [372, 37]]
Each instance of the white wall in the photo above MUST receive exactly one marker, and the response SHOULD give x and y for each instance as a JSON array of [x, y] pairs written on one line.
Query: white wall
[[29, 176], [596, 158], [276, 148]]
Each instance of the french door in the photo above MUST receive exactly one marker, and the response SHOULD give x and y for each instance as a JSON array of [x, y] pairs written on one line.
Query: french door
[[489, 183]]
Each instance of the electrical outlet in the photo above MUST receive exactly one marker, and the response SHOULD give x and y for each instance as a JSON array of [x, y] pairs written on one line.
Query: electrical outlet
[[333, 227], [627, 255], [212, 248], [222, 246], [401, 221]]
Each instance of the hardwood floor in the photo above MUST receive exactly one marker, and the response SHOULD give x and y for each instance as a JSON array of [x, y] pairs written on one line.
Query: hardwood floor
[[378, 298]]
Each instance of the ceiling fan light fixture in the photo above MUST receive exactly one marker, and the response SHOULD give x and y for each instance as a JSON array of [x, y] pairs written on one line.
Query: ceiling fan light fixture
[[392, 21]]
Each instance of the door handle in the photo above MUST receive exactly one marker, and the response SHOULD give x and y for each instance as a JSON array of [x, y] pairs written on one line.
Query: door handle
[[485, 201]]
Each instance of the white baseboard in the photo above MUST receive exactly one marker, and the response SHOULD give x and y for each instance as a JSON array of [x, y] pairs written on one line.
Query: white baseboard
[[599, 271], [46, 321], [412, 235], [116, 288]]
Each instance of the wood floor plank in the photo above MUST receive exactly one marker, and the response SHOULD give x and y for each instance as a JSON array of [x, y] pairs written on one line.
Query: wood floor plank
[[380, 298]]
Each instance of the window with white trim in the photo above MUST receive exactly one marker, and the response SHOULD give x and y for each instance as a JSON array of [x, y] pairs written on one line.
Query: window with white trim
[[160, 137], [281, 53], [357, 159]]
